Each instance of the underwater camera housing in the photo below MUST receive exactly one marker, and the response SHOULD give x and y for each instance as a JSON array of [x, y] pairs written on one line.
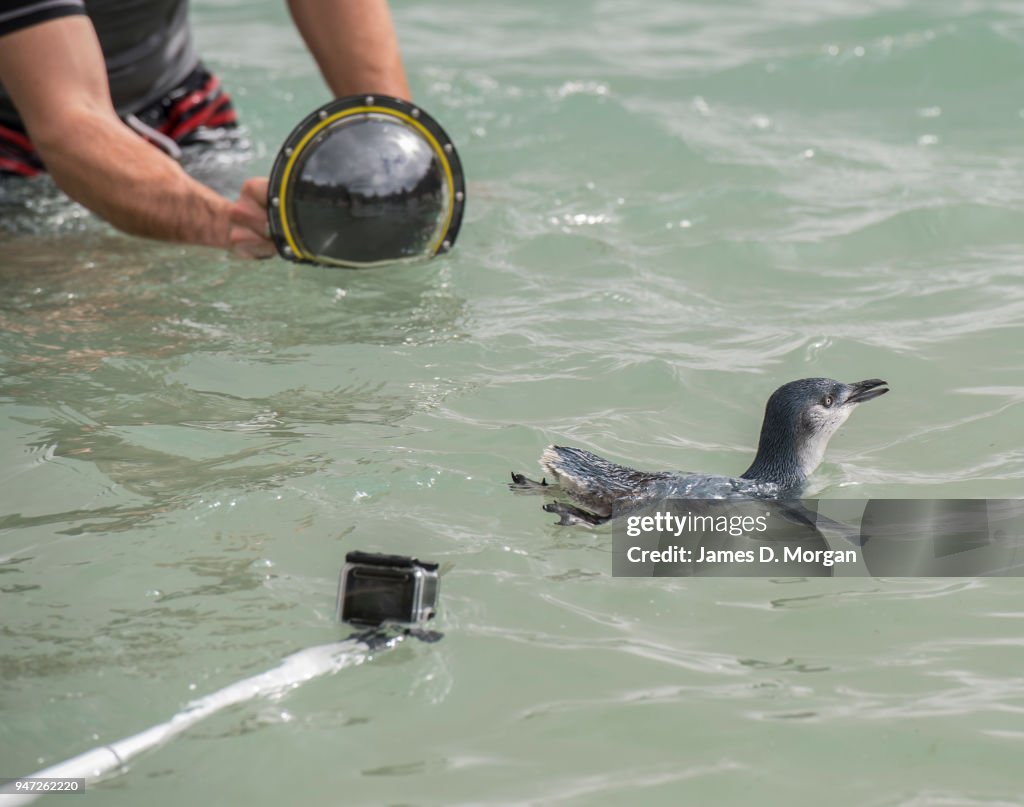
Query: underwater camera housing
[[374, 589], [365, 180]]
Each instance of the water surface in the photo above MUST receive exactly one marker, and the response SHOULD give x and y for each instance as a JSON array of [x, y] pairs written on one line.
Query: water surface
[[674, 208]]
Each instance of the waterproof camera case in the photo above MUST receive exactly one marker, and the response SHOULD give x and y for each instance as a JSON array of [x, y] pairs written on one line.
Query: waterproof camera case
[[366, 180], [374, 589]]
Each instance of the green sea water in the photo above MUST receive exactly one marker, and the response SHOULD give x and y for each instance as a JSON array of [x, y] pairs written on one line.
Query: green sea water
[[673, 208]]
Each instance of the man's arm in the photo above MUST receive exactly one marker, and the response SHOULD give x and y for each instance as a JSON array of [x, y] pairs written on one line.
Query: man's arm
[[354, 44], [56, 77]]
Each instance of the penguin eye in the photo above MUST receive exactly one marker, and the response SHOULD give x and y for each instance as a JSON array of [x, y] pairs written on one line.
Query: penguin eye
[[827, 402]]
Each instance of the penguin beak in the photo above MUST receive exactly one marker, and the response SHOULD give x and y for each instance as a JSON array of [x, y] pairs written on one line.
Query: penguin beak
[[866, 390]]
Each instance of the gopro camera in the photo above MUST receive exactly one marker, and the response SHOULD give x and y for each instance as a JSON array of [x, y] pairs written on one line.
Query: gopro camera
[[374, 589]]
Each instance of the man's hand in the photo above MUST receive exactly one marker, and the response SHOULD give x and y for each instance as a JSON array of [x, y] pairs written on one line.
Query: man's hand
[[249, 235]]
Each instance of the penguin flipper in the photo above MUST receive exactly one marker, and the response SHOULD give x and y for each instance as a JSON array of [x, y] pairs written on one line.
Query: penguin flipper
[[570, 514]]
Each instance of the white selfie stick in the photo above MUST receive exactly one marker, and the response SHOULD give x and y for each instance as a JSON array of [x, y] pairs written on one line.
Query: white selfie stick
[[293, 671]]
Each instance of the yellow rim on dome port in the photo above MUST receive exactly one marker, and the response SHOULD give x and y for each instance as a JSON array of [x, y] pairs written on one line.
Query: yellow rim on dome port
[[286, 232]]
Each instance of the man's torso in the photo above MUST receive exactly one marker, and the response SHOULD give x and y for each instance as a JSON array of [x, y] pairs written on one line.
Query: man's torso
[[147, 45]]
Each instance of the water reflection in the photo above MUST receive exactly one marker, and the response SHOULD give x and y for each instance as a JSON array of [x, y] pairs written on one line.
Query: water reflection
[[174, 372]]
